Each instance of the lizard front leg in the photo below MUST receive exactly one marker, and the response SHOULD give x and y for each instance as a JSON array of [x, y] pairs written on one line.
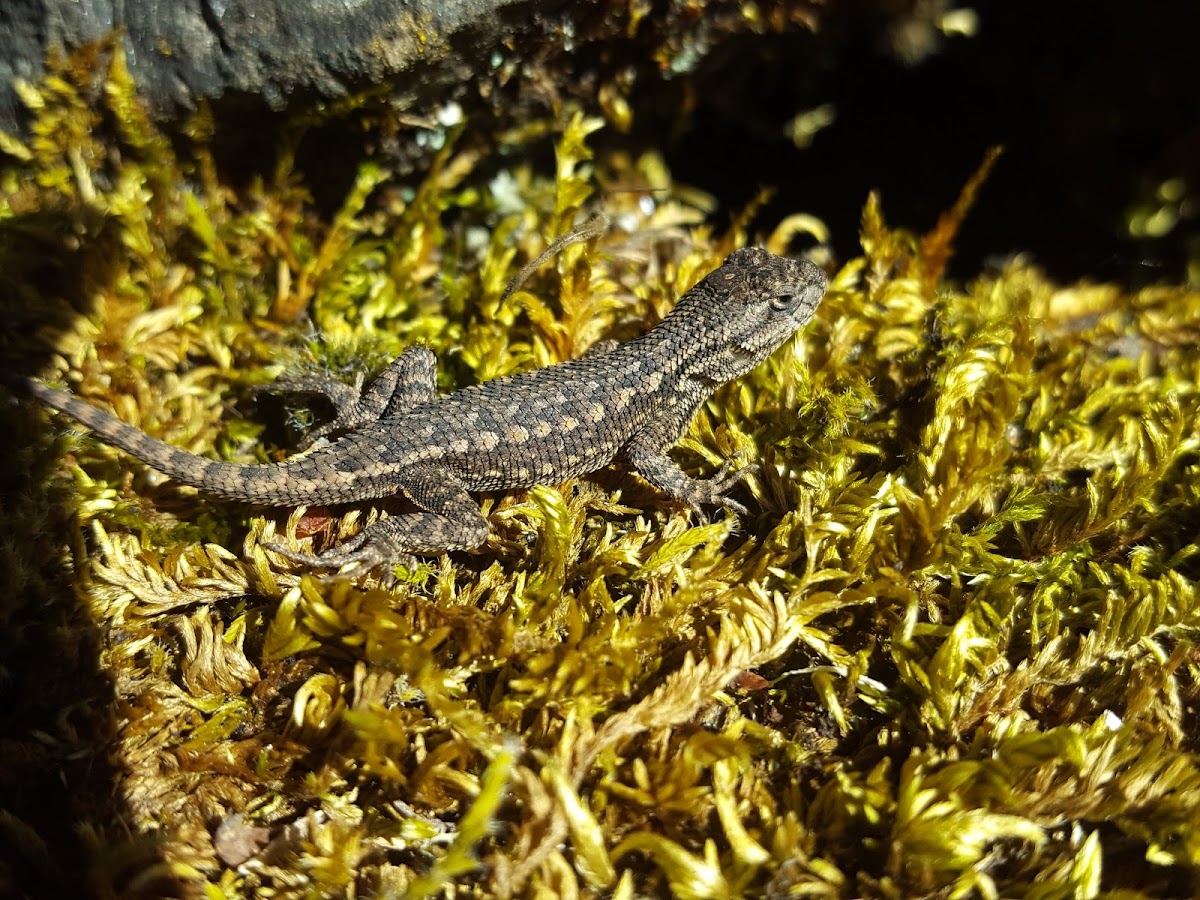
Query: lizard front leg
[[653, 464], [409, 379], [448, 519]]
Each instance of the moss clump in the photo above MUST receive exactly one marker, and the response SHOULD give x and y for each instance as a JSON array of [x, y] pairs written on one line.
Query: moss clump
[[949, 652]]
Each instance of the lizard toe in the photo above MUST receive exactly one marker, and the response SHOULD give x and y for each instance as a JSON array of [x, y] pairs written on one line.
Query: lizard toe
[[734, 506]]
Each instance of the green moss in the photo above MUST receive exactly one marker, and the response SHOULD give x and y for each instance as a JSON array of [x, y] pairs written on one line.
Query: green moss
[[950, 650]]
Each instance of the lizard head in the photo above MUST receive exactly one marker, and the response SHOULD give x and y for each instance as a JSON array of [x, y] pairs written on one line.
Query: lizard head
[[745, 309]]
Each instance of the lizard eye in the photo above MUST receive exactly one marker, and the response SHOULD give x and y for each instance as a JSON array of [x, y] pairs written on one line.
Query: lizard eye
[[780, 302]]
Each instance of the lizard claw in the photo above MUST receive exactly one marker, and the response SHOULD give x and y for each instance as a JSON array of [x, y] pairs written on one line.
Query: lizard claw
[[725, 480]]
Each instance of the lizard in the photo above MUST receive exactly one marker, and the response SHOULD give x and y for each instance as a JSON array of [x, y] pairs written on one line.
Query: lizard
[[630, 402]]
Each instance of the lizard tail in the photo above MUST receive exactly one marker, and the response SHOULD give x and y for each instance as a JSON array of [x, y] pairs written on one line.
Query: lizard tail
[[275, 484]]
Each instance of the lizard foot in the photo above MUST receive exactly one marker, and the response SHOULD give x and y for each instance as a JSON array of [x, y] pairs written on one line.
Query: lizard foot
[[344, 398], [368, 550], [712, 491]]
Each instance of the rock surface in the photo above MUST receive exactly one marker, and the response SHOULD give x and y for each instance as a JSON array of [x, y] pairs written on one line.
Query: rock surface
[[180, 51]]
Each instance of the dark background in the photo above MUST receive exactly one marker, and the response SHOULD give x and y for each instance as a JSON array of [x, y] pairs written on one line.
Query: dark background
[[1095, 104]]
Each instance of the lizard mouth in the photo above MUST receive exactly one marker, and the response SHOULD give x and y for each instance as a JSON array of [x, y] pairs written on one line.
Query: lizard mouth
[[747, 356]]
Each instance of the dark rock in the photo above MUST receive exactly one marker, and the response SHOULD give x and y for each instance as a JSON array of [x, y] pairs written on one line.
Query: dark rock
[[180, 51]]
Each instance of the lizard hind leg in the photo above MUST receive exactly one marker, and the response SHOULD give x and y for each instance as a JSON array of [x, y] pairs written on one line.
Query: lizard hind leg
[[448, 519], [409, 379]]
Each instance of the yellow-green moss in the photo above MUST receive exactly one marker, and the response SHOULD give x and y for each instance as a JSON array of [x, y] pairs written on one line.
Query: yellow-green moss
[[948, 652]]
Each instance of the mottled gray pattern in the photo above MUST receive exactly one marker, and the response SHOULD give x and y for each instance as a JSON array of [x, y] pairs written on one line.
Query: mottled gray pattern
[[630, 402]]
